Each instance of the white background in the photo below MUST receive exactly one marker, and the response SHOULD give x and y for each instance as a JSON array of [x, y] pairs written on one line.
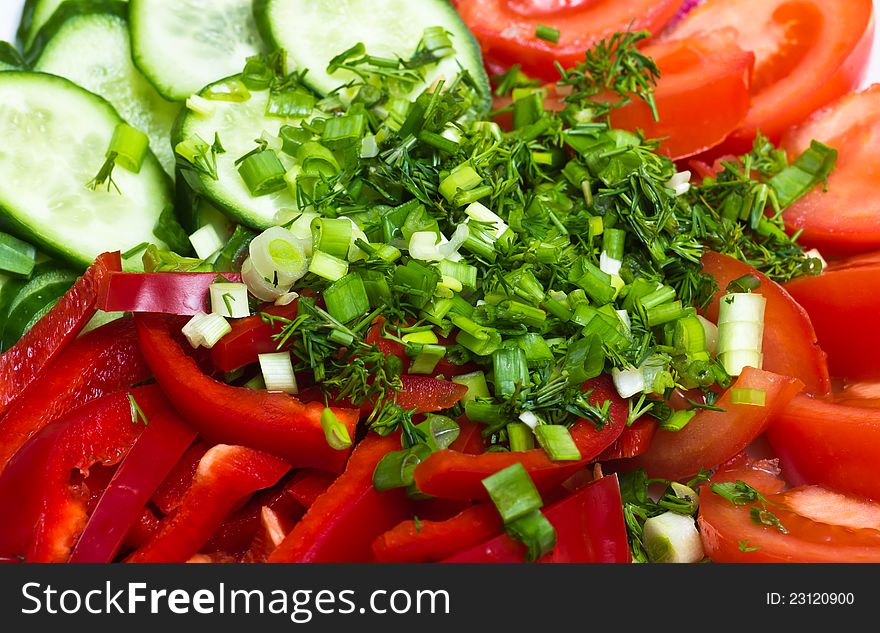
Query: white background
[[10, 12]]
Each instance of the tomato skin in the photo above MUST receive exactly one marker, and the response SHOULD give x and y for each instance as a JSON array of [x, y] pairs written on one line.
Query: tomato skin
[[506, 28], [790, 343], [843, 308], [702, 95], [713, 437], [723, 526], [845, 219], [808, 53], [634, 440], [830, 444]]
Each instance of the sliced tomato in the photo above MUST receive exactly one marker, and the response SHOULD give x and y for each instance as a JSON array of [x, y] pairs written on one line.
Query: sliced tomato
[[822, 525], [835, 445], [807, 53], [845, 219], [843, 306], [702, 95], [713, 437], [790, 344], [634, 440], [506, 28]]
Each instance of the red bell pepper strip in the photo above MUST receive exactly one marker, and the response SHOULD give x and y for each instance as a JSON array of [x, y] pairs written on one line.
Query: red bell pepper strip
[[153, 455], [589, 529], [249, 338], [393, 348], [103, 361], [21, 364], [170, 492], [470, 437], [453, 475], [226, 475], [50, 516], [168, 293], [426, 394], [309, 484], [142, 530], [414, 541], [343, 522], [634, 440], [273, 422]]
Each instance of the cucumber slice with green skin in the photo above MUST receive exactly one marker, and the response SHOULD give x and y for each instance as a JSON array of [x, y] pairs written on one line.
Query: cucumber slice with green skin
[[237, 124], [55, 138], [87, 42], [183, 45], [36, 13], [313, 33], [10, 58]]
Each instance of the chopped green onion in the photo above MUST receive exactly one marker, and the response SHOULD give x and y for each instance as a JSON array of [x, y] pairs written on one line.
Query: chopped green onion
[[327, 266], [395, 470], [667, 312], [513, 492], [279, 256], [535, 532], [424, 246], [462, 178], [807, 170], [416, 281], [229, 300], [476, 386], [741, 331], [16, 257], [262, 173], [520, 437], [678, 420], [510, 370], [130, 147], [440, 430], [690, 338], [557, 442], [346, 298], [756, 397], [427, 359], [596, 284], [332, 236], [345, 130], [290, 104], [613, 242], [584, 359], [232, 90], [200, 105], [547, 33], [536, 349], [465, 273], [207, 240], [426, 337], [438, 142], [335, 431], [277, 370], [317, 160], [204, 330]]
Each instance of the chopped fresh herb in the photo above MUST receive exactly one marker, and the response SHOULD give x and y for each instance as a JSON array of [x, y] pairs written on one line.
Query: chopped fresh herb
[[137, 414]]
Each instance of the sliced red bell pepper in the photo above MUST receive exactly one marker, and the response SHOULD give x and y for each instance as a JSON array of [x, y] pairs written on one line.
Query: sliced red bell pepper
[[415, 541], [426, 394], [343, 522], [589, 529], [309, 484], [249, 338], [103, 361], [149, 461], [470, 437], [273, 422], [50, 515], [142, 530], [452, 475], [168, 293], [634, 440], [226, 475], [170, 492], [21, 364]]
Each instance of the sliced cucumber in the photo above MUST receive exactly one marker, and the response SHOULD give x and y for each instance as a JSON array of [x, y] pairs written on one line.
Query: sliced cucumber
[[313, 33], [10, 58], [87, 42], [183, 45], [237, 124], [36, 13], [55, 137]]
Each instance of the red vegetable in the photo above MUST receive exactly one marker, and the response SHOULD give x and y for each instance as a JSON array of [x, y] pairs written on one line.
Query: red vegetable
[[249, 338], [103, 361], [790, 346], [426, 394], [830, 444], [52, 513], [414, 541], [21, 364], [589, 529], [273, 422], [634, 440], [153, 455], [713, 437], [170, 492], [168, 293], [342, 523], [453, 475], [309, 484], [226, 475]]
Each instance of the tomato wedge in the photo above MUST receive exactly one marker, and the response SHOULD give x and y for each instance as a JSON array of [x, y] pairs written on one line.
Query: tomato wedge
[[843, 307], [790, 345], [506, 28], [807, 53], [831, 444], [713, 437], [823, 526], [702, 95], [845, 219]]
